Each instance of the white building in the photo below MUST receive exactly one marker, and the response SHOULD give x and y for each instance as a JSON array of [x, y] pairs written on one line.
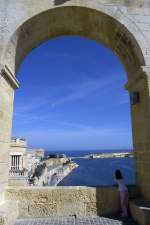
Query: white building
[[22, 161], [18, 154]]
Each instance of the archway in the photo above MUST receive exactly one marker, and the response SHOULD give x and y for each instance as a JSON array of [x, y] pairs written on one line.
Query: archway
[[103, 26], [84, 105]]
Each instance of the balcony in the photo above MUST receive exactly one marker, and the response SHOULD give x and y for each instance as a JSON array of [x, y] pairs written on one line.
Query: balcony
[[17, 178], [17, 173]]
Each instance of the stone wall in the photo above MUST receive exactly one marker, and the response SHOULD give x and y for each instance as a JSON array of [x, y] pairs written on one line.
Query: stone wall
[[141, 131], [65, 201], [123, 26], [18, 181], [8, 212], [6, 107]]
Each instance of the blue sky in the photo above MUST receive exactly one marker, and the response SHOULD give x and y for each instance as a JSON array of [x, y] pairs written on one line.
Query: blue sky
[[72, 97]]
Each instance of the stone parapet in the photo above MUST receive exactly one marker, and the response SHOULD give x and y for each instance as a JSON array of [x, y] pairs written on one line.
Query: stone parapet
[[122, 25], [140, 211], [17, 181], [40, 202]]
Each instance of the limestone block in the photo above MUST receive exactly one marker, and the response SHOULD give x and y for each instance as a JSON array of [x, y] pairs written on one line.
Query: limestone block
[[140, 211], [91, 208], [27, 210], [71, 208], [145, 189], [68, 201], [15, 181], [3, 178], [3, 172], [122, 25], [8, 212], [1, 115]]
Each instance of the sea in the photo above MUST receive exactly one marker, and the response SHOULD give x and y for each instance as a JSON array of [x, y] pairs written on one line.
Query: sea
[[97, 172]]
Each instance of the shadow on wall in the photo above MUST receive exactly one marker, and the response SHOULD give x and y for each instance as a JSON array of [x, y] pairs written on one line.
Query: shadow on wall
[[107, 200], [59, 2]]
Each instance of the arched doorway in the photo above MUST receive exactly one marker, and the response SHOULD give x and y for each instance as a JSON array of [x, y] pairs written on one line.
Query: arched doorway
[[102, 24]]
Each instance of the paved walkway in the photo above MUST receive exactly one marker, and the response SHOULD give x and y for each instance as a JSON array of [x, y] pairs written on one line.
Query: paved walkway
[[73, 221]]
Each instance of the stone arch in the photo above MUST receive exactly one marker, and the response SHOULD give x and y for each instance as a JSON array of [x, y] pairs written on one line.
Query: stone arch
[[75, 20], [106, 24]]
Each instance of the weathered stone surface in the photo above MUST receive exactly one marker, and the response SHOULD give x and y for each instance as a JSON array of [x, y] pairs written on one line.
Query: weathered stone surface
[[123, 26], [8, 212], [1, 115], [65, 201], [15, 181], [140, 211]]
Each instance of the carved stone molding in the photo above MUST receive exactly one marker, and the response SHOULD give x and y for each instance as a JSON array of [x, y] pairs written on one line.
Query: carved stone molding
[[7, 74], [141, 75]]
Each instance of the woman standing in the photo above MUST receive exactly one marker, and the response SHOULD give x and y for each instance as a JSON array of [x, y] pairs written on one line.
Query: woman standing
[[123, 192]]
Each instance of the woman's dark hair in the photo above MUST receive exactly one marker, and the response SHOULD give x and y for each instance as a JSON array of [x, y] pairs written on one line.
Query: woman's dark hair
[[118, 175]]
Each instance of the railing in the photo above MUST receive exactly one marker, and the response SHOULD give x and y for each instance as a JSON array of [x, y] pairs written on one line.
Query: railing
[[17, 173]]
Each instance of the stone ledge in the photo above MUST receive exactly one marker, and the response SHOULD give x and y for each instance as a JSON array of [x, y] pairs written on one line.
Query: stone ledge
[[7, 74], [140, 211], [141, 75], [82, 201], [8, 212]]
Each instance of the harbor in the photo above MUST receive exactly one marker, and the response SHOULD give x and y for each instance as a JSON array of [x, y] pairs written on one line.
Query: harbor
[[29, 167]]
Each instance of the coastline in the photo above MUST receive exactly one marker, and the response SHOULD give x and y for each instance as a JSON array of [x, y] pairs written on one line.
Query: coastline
[[110, 155], [81, 153]]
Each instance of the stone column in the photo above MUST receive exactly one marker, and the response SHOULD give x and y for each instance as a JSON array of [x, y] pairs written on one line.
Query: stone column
[[140, 111], [10, 162], [20, 162], [7, 85], [14, 162], [17, 162]]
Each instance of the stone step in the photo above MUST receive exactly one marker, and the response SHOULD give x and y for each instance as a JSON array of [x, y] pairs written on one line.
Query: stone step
[[140, 211], [8, 212]]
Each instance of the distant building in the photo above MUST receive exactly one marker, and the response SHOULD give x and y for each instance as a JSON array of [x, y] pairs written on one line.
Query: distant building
[[22, 161], [18, 153], [34, 156], [39, 153], [17, 162], [29, 166]]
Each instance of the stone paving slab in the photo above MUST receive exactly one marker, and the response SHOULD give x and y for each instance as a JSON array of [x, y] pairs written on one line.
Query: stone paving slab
[[72, 221]]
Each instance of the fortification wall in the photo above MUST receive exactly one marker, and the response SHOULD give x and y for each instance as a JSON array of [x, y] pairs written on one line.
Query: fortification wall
[[40, 202]]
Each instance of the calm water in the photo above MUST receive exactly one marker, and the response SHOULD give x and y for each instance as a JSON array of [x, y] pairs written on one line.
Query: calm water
[[98, 172]]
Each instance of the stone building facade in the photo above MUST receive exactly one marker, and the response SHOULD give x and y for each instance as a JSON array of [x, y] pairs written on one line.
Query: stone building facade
[[17, 155], [22, 161], [122, 25], [18, 174]]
